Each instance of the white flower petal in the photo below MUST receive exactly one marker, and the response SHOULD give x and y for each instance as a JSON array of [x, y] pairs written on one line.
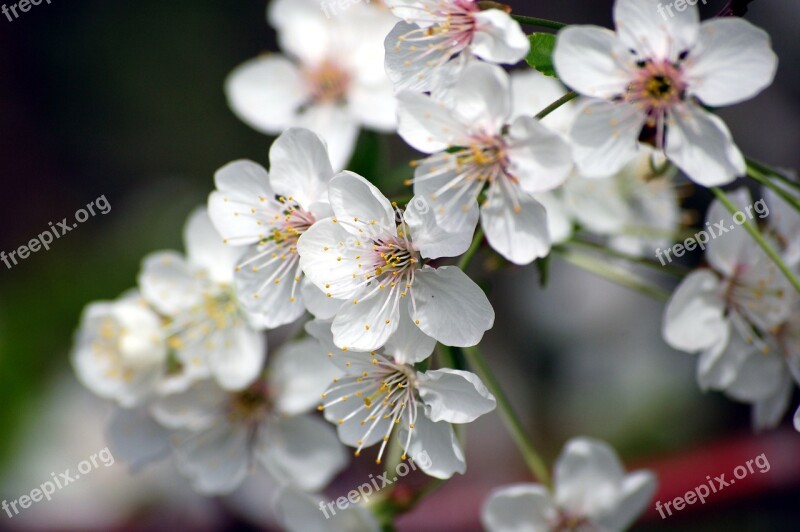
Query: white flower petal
[[300, 167], [559, 222], [605, 137], [694, 318], [302, 450], [298, 374], [498, 38], [193, 409], [588, 476], [533, 91], [735, 246], [434, 448], [238, 358], [300, 512], [482, 98], [654, 30], [438, 182], [700, 144], [719, 77], [365, 325], [206, 249], [360, 205], [216, 460], [429, 125], [241, 186], [592, 61], [337, 126], [518, 232], [538, 157], [136, 439], [403, 64], [636, 493], [430, 238], [450, 306], [408, 344], [519, 508], [759, 377], [266, 92], [375, 106], [767, 413], [317, 303], [168, 283], [454, 396]]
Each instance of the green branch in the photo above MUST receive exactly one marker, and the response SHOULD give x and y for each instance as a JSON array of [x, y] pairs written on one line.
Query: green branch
[[542, 22], [556, 104]]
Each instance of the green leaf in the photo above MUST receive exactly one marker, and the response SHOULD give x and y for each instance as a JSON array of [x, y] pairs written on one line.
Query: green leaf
[[540, 56]]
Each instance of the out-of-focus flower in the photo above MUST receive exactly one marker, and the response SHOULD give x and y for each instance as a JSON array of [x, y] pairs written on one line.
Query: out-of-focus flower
[[120, 352], [219, 435], [373, 262], [592, 492], [381, 390], [333, 81], [300, 512], [436, 31], [656, 74], [269, 212], [466, 128], [208, 330]]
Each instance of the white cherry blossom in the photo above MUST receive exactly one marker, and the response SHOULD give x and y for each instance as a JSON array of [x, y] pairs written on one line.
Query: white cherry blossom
[[268, 212], [467, 129], [592, 492], [370, 256], [381, 391], [656, 74], [211, 334], [434, 32], [332, 82]]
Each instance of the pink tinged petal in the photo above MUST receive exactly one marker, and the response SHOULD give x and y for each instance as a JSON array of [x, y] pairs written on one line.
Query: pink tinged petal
[[655, 30], [216, 460], [592, 61], [429, 125], [519, 507], [700, 144], [241, 186], [365, 325], [434, 448], [637, 491], [302, 450], [408, 345], [450, 193], [168, 283], [605, 137], [266, 93], [732, 62], [293, 388], [694, 319], [538, 157], [206, 249], [735, 247], [498, 38], [482, 97], [588, 476], [317, 303], [768, 413], [518, 231], [300, 167], [450, 307], [433, 240], [337, 125], [375, 106], [237, 356], [268, 285], [360, 206], [328, 257], [454, 396]]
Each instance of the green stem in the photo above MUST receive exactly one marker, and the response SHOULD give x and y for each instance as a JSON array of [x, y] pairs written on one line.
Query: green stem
[[756, 174], [556, 104], [760, 240], [671, 269], [477, 240], [766, 170], [513, 424], [612, 273], [543, 22]]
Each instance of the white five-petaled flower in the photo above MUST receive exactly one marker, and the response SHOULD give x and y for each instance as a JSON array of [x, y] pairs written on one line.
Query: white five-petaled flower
[[219, 436], [269, 211], [381, 391], [371, 257], [120, 352], [208, 330], [333, 84], [592, 492], [435, 31], [466, 127], [653, 78], [738, 315]]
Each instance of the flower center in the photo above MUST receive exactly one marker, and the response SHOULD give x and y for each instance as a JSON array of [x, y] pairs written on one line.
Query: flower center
[[251, 405], [657, 86], [329, 82]]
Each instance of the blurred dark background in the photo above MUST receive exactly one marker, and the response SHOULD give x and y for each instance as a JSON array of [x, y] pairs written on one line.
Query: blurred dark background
[[124, 99]]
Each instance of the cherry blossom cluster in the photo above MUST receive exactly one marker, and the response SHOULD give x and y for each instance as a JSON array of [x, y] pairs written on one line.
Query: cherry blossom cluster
[[526, 161]]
